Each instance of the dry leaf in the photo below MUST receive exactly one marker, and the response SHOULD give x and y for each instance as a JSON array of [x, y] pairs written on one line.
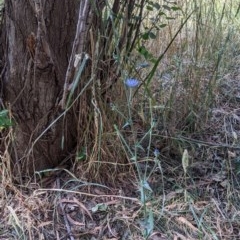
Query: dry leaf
[[187, 223]]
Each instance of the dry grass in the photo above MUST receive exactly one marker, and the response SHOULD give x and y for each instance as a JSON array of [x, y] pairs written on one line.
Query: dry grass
[[194, 105]]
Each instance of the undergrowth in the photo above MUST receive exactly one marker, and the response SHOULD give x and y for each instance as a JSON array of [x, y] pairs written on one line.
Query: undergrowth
[[174, 130]]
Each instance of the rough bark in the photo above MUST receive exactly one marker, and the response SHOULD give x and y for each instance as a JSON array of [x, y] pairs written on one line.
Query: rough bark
[[38, 42]]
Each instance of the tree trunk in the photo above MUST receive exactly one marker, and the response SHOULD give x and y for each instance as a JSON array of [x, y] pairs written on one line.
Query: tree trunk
[[37, 47], [57, 104]]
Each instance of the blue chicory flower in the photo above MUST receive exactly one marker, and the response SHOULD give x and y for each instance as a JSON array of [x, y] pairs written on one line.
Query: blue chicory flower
[[131, 82], [156, 152]]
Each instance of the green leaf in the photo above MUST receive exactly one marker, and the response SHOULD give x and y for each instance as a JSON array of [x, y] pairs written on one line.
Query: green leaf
[[166, 7], [176, 8], [143, 51], [81, 155], [170, 18], [156, 5], [145, 36], [148, 35], [163, 25], [4, 113], [161, 13], [149, 8], [5, 121], [152, 35]]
